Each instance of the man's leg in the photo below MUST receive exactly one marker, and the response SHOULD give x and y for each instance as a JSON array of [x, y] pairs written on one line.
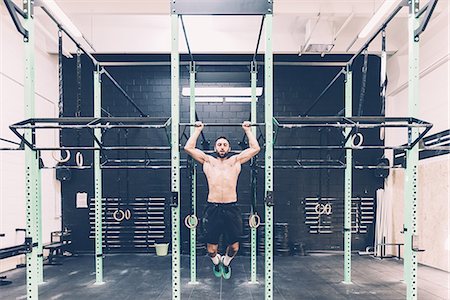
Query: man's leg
[[216, 259], [230, 254], [212, 252]]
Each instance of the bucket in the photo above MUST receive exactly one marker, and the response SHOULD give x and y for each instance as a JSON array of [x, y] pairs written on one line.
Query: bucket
[[162, 249]]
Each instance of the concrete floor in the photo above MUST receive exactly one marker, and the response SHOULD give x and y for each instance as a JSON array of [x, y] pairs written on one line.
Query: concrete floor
[[146, 276]]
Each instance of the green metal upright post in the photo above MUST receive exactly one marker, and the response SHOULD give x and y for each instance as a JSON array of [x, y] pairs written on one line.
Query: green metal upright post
[[412, 158], [175, 153], [193, 231], [31, 159], [348, 184], [253, 231], [98, 182], [268, 113], [40, 246]]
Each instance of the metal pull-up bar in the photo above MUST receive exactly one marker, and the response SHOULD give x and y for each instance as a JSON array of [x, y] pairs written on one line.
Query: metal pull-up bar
[[221, 124]]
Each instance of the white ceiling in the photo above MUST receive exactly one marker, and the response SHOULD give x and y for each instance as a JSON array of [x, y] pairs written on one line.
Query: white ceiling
[[143, 26]]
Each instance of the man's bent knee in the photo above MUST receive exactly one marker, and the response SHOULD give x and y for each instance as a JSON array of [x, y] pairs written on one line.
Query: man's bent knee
[[212, 249], [233, 249]]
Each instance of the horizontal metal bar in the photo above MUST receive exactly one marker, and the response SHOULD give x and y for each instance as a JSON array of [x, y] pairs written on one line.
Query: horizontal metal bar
[[348, 120], [336, 198], [362, 167], [222, 124], [92, 121], [149, 160], [139, 167], [337, 147], [106, 148], [224, 63], [367, 126], [67, 167], [306, 167], [92, 126], [437, 148]]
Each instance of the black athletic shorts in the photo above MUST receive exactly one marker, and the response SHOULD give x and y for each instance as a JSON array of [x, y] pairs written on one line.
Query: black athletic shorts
[[222, 219]]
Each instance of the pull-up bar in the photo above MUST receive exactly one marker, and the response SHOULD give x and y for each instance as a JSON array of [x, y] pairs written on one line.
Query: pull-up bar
[[222, 124]]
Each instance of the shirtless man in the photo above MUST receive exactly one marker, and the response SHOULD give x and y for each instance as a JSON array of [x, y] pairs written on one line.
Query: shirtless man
[[222, 215]]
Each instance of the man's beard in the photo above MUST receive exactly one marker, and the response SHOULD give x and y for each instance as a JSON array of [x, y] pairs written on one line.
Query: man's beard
[[222, 154]]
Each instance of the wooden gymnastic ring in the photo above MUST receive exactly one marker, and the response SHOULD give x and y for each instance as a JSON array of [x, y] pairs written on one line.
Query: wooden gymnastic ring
[[79, 159], [127, 214], [60, 159], [254, 220], [361, 139], [121, 217], [188, 221]]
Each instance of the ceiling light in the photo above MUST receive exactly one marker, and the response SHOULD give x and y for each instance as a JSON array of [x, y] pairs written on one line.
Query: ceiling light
[[224, 99], [376, 18], [209, 99], [221, 91], [61, 17]]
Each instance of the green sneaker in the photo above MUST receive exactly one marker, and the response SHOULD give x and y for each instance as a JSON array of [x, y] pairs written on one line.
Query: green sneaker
[[226, 271], [217, 270]]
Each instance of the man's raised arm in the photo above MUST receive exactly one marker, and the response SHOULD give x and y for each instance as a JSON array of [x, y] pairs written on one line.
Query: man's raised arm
[[253, 148], [190, 148]]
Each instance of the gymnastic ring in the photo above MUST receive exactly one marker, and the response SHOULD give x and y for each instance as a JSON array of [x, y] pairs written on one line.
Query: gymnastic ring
[[327, 209], [191, 221], [79, 159], [122, 216], [254, 220], [361, 139], [319, 208], [127, 214], [382, 133], [60, 159]]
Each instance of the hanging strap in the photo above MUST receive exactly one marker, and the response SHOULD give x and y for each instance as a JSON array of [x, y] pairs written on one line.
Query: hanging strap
[[362, 93], [60, 74], [191, 220], [78, 111], [383, 79], [79, 154], [254, 219]]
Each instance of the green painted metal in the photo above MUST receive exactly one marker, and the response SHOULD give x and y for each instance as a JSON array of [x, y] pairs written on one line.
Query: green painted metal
[[412, 159], [268, 116], [175, 154], [348, 184], [253, 231], [40, 257], [193, 231], [98, 183], [31, 160]]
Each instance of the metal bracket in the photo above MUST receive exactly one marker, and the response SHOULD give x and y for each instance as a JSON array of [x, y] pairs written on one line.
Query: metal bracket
[[269, 198], [415, 248], [428, 10], [192, 67], [29, 245], [13, 9], [174, 199], [254, 67]]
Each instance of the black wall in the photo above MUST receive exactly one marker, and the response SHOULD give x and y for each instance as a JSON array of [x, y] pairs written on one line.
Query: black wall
[[295, 89]]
